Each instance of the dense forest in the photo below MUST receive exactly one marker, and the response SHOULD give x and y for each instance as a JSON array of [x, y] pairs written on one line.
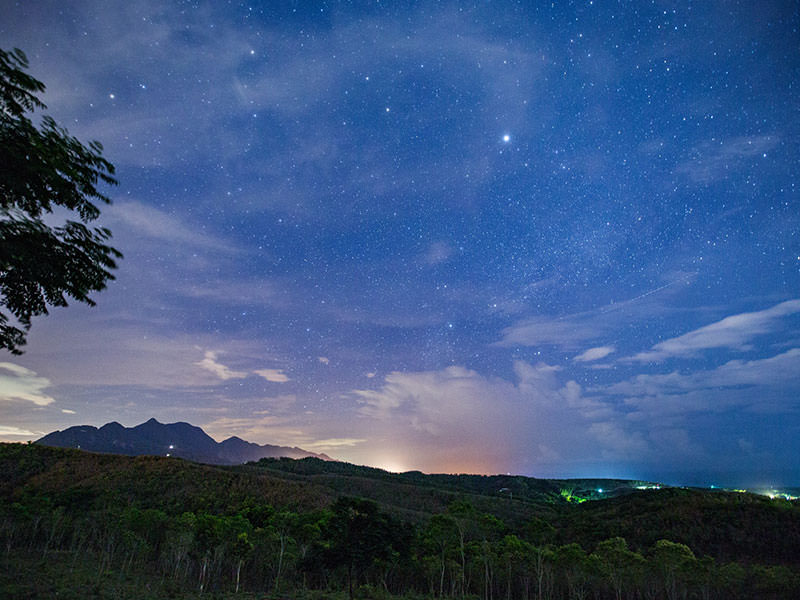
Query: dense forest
[[80, 525]]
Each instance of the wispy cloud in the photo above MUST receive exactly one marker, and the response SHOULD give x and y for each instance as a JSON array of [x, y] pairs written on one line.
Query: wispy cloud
[[437, 252], [593, 354], [734, 332], [159, 225], [567, 332], [273, 375], [209, 363], [711, 161], [262, 429], [6, 430], [576, 330], [20, 384], [333, 443], [234, 292], [306, 431], [782, 370], [143, 354], [133, 133]]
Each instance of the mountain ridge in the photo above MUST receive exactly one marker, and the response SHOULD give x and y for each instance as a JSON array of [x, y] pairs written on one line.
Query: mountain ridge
[[180, 439]]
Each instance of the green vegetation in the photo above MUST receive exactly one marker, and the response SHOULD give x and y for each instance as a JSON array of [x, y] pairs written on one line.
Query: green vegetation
[[81, 525]]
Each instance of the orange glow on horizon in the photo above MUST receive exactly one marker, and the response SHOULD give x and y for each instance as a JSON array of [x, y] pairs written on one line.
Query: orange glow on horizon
[[463, 467]]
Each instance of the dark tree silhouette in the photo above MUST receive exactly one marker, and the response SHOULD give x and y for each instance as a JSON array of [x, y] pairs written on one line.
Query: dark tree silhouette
[[359, 535], [43, 168]]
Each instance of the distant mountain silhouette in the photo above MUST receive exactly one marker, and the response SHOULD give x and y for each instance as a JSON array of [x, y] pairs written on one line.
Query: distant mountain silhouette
[[174, 439]]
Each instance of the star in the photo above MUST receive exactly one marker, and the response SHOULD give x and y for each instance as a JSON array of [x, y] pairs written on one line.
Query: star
[[506, 138]]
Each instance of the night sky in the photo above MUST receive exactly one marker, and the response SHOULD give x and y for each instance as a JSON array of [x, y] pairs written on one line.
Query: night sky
[[547, 239]]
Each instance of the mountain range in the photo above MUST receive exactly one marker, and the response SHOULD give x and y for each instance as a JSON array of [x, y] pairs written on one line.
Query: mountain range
[[182, 440]]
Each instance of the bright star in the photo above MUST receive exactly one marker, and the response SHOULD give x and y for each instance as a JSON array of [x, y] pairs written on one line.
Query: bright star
[[506, 138]]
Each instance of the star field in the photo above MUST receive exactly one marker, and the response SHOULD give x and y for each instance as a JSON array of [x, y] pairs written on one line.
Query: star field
[[550, 239]]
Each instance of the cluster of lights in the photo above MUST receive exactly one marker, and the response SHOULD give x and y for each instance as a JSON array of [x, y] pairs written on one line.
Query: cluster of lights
[[770, 493]]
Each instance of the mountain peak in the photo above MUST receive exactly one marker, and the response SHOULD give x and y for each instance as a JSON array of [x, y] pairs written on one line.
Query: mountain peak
[[181, 439], [233, 439]]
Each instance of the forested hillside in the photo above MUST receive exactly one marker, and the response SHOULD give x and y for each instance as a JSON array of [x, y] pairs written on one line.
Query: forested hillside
[[80, 525]]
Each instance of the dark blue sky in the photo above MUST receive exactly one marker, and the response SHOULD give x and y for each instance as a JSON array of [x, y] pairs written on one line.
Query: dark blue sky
[[556, 240]]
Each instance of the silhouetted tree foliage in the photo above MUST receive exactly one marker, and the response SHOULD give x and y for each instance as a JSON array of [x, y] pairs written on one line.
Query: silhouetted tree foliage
[[359, 536], [41, 169]]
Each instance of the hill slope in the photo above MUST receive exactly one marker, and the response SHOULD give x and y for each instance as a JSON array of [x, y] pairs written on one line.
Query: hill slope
[[724, 525], [154, 527]]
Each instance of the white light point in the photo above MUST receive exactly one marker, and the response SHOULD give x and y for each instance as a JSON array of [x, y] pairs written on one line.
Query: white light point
[[506, 138]]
